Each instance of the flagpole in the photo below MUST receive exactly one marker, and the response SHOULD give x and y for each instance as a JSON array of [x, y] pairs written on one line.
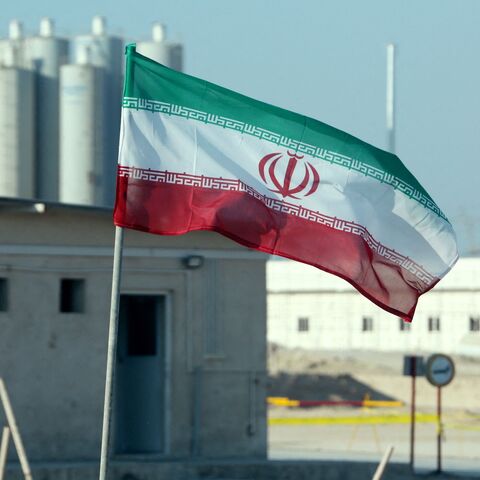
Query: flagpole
[[390, 98], [112, 349]]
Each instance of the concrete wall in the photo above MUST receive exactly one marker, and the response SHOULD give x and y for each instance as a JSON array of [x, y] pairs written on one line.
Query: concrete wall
[[54, 363]]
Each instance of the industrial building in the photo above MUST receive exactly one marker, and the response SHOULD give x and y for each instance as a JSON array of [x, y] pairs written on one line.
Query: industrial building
[[191, 358], [191, 362], [310, 309], [60, 118]]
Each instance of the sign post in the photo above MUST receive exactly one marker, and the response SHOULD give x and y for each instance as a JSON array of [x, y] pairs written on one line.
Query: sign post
[[440, 372], [413, 366]]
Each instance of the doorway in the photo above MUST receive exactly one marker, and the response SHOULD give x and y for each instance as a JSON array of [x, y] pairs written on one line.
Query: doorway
[[140, 397]]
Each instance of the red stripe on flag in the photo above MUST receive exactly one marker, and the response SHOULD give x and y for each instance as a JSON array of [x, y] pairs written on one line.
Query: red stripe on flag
[[172, 209]]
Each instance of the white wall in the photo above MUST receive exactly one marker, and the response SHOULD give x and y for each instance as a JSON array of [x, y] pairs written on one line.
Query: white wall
[[335, 312]]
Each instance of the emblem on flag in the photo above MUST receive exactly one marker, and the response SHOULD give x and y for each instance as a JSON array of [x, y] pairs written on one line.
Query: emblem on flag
[[272, 172]]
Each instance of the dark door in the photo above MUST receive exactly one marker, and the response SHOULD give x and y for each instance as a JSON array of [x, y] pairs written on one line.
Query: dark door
[[140, 375]]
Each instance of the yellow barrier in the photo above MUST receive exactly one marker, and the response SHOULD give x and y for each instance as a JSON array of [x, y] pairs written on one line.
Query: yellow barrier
[[287, 402], [382, 403], [282, 402], [378, 419]]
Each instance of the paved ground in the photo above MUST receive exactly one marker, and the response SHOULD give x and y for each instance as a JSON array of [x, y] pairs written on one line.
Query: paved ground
[[307, 375], [461, 449]]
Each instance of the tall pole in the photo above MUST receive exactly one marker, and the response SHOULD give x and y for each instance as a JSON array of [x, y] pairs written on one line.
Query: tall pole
[[112, 350], [390, 98], [412, 415], [439, 429]]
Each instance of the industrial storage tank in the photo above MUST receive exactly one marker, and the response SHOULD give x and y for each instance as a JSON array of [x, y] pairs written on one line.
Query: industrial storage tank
[[16, 127], [106, 52], [82, 132], [158, 49], [46, 53], [14, 45]]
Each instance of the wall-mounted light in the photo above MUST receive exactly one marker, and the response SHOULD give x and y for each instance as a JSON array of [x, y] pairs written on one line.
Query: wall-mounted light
[[193, 261]]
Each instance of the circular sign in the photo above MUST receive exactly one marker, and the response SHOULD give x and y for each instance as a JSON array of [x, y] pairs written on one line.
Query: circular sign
[[440, 370]]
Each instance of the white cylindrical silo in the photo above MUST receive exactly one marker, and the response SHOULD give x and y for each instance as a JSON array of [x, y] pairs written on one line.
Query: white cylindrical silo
[[16, 132], [14, 46], [106, 52], [158, 49], [82, 136], [3, 49], [46, 53]]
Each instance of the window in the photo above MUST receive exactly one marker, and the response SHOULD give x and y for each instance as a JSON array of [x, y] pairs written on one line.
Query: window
[[403, 325], [3, 294], [475, 324], [72, 295], [141, 315], [303, 324], [367, 324], [433, 324]]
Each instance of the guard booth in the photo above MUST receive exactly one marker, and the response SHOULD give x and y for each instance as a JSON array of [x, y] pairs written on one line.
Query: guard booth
[[191, 361]]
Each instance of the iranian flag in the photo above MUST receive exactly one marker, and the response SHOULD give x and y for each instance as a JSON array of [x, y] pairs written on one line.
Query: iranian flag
[[196, 156]]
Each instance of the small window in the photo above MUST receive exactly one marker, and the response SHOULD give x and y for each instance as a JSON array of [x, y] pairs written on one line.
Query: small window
[[475, 324], [72, 295], [433, 324], [140, 311], [303, 324], [3, 294], [403, 325], [367, 324]]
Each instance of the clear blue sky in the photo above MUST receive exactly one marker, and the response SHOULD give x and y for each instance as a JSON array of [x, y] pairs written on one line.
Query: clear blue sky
[[326, 59]]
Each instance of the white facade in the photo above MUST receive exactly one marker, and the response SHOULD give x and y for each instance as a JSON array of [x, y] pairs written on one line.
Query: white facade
[[310, 309], [82, 135], [17, 132]]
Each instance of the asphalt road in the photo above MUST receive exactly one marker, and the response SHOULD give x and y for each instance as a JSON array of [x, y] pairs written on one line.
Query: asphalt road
[[460, 447]]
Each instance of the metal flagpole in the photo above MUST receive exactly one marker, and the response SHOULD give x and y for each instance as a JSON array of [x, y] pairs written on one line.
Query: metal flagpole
[[412, 415], [439, 430], [390, 100], [112, 350]]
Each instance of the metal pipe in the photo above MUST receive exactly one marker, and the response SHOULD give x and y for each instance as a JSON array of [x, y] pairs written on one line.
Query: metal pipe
[[99, 25], [383, 464], [390, 99], [3, 450], [15, 30], [412, 416], [111, 351], [159, 32], [439, 430], [47, 27], [12, 423]]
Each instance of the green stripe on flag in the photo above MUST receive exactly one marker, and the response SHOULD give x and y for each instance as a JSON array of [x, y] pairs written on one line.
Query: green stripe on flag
[[152, 86]]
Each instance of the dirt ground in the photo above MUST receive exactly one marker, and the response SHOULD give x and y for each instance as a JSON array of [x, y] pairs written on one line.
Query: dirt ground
[[314, 375], [331, 375]]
